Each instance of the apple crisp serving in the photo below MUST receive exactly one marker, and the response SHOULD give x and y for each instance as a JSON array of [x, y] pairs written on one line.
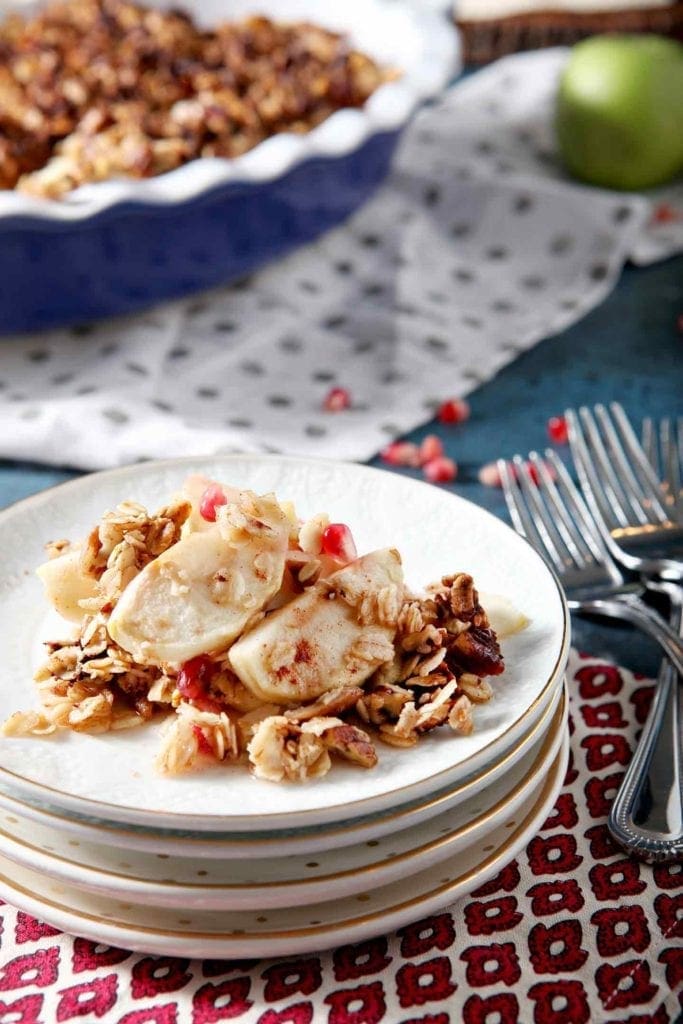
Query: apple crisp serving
[[98, 89], [260, 638]]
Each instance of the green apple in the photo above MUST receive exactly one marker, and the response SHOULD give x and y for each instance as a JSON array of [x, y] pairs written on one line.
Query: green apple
[[619, 117]]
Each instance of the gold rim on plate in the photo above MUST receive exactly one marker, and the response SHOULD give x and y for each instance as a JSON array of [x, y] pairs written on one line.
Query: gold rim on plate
[[552, 739], [550, 787]]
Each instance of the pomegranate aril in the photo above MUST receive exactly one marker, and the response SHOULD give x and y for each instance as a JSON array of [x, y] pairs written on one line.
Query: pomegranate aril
[[401, 453], [212, 497], [453, 410], [557, 429], [679, 322], [337, 542], [665, 213], [489, 475], [440, 470], [534, 473], [194, 677], [431, 448], [336, 400], [203, 745]]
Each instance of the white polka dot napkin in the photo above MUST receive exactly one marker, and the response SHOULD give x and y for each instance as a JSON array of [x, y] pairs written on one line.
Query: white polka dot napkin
[[473, 251]]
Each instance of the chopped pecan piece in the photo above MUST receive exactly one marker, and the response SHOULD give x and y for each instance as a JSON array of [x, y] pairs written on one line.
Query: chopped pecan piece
[[350, 743], [477, 651], [384, 702]]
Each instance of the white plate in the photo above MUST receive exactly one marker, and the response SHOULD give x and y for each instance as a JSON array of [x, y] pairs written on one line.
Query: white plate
[[237, 846], [224, 934], [111, 775], [282, 881]]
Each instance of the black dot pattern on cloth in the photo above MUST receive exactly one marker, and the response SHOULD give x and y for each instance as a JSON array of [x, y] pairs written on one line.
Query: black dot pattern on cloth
[[471, 252], [291, 344], [115, 416]]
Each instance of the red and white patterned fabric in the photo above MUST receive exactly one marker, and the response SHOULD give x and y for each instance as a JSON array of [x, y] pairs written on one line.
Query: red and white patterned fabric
[[569, 933]]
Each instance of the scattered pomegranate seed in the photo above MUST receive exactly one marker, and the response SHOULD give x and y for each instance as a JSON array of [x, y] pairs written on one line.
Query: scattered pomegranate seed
[[679, 322], [440, 470], [336, 400], [534, 474], [194, 677], [431, 448], [489, 475], [665, 213], [203, 745], [401, 453], [557, 429], [453, 410], [211, 498], [337, 542]]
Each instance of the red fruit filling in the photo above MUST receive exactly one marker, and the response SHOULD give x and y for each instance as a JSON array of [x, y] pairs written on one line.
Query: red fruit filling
[[336, 400], [666, 214], [431, 448], [440, 470], [401, 453], [557, 429], [194, 678], [453, 410], [337, 542], [211, 498], [489, 475], [203, 745]]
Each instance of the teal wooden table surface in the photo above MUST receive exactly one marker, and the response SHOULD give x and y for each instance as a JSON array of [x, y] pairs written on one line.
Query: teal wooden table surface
[[630, 348]]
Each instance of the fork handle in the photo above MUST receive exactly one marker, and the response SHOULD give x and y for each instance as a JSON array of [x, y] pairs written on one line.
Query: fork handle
[[646, 818], [631, 609]]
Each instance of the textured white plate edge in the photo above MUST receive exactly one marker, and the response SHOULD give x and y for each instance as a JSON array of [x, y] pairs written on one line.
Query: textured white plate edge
[[317, 816], [273, 895], [311, 939], [312, 842]]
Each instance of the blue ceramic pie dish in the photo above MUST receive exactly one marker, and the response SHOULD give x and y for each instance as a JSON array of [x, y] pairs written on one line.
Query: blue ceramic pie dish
[[118, 246]]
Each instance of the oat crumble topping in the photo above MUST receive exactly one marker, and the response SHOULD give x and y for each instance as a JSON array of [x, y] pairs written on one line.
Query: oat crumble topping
[[300, 681], [96, 89]]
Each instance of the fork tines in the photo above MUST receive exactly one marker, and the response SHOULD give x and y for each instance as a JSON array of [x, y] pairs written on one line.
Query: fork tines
[[619, 483], [663, 447], [546, 507]]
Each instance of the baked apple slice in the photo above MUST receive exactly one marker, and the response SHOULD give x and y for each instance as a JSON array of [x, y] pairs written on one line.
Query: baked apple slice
[[335, 634], [197, 596]]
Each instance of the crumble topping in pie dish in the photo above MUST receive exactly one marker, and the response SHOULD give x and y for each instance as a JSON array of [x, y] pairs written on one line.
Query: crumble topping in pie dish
[[263, 639], [97, 89]]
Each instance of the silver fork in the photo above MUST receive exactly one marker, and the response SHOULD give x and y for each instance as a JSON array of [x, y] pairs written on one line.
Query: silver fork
[[646, 817], [555, 520], [639, 523], [663, 447]]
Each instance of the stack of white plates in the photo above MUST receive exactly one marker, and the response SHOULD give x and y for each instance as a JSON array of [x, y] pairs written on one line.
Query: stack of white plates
[[219, 864]]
